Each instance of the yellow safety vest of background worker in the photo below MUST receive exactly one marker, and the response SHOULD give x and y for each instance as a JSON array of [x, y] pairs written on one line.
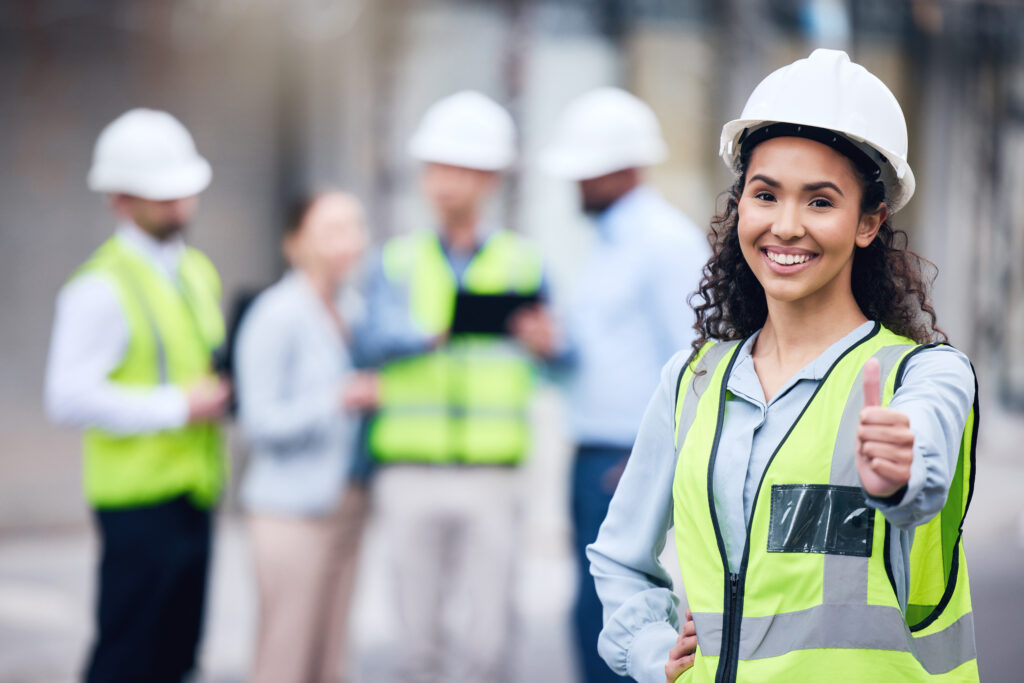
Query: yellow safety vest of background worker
[[465, 401], [131, 362], [815, 455], [453, 420]]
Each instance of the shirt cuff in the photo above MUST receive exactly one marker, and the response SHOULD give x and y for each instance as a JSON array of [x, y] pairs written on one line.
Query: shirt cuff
[[648, 654], [636, 639], [892, 500], [902, 509], [175, 406]]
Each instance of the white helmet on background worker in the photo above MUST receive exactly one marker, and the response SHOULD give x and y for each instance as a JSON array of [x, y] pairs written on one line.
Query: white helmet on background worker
[[603, 131], [467, 129], [149, 154], [827, 91]]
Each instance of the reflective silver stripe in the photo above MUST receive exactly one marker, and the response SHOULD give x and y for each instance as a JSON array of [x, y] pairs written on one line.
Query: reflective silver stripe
[[709, 632], [846, 577], [131, 285], [699, 383], [842, 627], [949, 648]]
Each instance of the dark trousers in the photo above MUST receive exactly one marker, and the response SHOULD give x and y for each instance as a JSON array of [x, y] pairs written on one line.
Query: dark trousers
[[596, 472], [152, 584]]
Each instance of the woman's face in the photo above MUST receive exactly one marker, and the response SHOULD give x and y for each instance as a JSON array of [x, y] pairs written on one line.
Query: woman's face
[[800, 220], [331, 239]]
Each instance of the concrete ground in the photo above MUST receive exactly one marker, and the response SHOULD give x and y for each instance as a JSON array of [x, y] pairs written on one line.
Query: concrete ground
[[46, 589]]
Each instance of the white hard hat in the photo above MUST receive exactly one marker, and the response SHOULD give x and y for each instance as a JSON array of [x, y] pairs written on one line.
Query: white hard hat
[[149, 154], [467, 129], [603, 131], [827, 91]]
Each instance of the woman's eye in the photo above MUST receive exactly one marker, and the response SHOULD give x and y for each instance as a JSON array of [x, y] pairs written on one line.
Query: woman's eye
[[821, 203], [765, 196]]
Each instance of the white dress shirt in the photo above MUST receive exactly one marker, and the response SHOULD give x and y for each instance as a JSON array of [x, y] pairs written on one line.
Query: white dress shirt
[[90, 338]]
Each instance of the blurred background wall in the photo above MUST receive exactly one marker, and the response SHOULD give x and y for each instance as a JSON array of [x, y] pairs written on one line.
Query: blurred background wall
[[286, 95]]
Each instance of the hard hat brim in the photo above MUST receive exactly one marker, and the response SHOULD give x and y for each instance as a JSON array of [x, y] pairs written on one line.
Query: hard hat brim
[[186, 180], [577, 165], [897, 175], [463, 156]]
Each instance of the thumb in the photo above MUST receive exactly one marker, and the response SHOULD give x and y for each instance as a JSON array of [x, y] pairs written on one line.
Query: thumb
[[872, 383]]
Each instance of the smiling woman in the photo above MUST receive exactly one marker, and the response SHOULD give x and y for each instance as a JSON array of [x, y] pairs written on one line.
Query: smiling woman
[[814, 451]]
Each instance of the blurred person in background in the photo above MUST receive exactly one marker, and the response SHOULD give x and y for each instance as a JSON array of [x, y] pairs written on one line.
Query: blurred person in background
[[131, 362], [299, 401], [452, 428], [629, 313]]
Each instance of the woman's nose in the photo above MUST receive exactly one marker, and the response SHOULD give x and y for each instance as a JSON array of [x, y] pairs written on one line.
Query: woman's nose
[[787, 224]]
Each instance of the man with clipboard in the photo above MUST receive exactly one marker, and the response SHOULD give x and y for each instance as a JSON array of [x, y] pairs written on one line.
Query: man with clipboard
[[459, 323]]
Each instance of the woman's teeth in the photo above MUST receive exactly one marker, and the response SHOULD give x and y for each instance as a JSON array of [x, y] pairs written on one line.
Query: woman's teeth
[[788, 259]]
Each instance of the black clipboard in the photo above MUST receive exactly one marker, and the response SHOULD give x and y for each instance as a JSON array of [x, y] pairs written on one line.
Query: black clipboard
[[487, 313]]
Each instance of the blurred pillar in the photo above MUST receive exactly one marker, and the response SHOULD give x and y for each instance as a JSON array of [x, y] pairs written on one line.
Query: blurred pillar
[[669, 65]]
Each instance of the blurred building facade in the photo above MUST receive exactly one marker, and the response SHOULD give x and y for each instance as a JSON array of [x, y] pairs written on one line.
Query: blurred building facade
[[282, 96]]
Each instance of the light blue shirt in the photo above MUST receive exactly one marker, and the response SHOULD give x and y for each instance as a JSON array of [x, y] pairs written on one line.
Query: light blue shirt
[[640, 609], [630, 313], [291, 364]]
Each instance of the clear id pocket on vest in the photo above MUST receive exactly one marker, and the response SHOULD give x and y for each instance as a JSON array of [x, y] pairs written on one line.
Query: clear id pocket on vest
[[817, 518]]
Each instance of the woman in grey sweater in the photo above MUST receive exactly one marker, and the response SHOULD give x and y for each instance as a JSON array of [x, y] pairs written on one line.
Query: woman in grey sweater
[[299, 403]]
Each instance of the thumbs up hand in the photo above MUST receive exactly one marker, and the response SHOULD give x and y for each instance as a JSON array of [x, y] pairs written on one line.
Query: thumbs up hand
[[885, 444]]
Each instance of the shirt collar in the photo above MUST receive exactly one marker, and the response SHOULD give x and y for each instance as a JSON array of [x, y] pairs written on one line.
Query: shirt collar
[[484, 232], [612, 223], [303, 288], [165, 255], [743, 379]]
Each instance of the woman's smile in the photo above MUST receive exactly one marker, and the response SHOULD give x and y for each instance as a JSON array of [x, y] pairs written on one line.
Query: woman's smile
[[786, 260]]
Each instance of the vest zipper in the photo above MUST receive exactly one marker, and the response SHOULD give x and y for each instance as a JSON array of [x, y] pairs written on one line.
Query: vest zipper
[[731, 629]]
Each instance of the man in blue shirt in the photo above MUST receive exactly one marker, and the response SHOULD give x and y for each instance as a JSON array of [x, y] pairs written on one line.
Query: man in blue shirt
[[630, 311]]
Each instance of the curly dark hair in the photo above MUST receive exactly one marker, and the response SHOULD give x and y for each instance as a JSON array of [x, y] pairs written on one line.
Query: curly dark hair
[[890, 282]]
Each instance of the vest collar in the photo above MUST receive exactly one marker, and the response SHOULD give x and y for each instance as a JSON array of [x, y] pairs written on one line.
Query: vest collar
[[743, 380]]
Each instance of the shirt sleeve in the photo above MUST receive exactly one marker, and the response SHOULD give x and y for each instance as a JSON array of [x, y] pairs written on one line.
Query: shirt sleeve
[[937, 394], [676, 277], [387, 331], [563, 358], [269, 414], [90, 337], [640, 610]]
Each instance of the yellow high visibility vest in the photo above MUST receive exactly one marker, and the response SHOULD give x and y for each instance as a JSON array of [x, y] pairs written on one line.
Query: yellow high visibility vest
[[465, 402], [172, 332], [815, 597]]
